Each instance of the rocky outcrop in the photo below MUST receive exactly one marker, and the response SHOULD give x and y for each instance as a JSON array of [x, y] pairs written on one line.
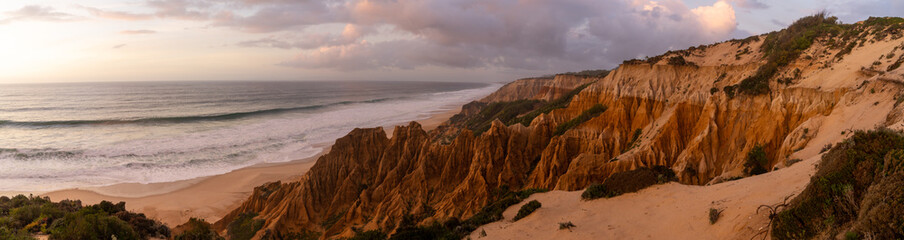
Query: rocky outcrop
[[546, 89], [658, 114]]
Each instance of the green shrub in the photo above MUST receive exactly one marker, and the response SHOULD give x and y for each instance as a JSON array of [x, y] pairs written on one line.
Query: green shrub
[[782, 47], [244, 226], [679, 61], [629, 181], [7, 234], [527, 209], [866, 171], [24, 215], [596, 190], [369, 235], [197, 229], [757, 163], [455, 229], [91, 223], [588, 114], [504, 111]]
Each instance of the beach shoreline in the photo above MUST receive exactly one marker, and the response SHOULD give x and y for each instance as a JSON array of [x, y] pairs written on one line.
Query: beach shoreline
[[209, 197]]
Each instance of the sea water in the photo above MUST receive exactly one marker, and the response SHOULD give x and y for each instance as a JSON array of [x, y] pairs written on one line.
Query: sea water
[[57, 136]]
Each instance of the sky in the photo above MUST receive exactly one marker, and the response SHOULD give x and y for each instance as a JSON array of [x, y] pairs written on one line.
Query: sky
[[417, 40]]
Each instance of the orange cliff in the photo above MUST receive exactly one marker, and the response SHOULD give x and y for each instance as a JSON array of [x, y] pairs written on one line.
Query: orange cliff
[[683, 117]]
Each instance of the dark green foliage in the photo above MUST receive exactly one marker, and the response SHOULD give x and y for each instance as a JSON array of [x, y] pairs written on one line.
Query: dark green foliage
[[679, 61], [429, 232], [588, 114], [244, 226], [633, 140], [896, 64], [197, 229], [368, 235], [559, 103], [332, 219], [866, 171], [456, 229], [783, 47], [757, 163], [7, 234], [504, 111], [143, 226], [629, 181], [91, 223], [527, 209], [600, 73], [22, 216]]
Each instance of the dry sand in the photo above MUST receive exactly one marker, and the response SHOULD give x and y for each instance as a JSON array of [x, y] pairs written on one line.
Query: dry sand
[[669, 211], [210, 197]]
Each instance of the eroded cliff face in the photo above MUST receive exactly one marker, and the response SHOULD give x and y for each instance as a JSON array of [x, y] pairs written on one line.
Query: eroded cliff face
[[680, 114], [537, 88]]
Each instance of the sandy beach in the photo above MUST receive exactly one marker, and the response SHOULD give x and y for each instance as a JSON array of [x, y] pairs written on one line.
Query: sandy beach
[[210, 197]]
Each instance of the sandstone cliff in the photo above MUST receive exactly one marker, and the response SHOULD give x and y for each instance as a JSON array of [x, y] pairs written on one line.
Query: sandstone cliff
[[679, 110]]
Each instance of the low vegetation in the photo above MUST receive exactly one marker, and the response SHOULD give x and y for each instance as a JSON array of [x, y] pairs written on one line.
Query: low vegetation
[[757, 163], [857, 189], [714, 215], [566, 225], [782, 47], [244, 226], [547, 107], [588, 114], [628, 182], [504, 111], [196, 229], [527, 209], [22, 217], [454, 228], [513, 112]]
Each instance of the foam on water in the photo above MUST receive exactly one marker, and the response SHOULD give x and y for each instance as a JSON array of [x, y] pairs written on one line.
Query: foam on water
[[163, 152]]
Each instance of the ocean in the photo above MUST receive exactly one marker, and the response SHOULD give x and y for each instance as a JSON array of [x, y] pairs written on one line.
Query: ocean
[[59, 136]]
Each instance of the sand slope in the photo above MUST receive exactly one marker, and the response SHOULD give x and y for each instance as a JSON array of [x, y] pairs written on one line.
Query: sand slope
[[669, 211]]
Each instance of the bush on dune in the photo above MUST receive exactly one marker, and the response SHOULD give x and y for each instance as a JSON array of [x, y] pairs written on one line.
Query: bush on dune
[[628, 182], [858, 187], [527, 209], [196, 229]]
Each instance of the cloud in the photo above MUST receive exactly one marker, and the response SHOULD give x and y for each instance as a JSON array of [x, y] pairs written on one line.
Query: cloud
[[37, 13], [499, 34], [521, 35], [136, 32], [119, 46], [350, 34], [175, 9], [753, 4], [117, 15]]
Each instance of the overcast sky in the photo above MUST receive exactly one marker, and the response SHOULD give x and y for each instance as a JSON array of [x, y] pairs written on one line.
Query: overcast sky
[[448, 40]]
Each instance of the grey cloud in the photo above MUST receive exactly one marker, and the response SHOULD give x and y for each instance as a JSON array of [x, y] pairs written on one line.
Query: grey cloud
[[532, 35], [754, 4], [282, 15], [119, 46], [568, 34], [37, 13]]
